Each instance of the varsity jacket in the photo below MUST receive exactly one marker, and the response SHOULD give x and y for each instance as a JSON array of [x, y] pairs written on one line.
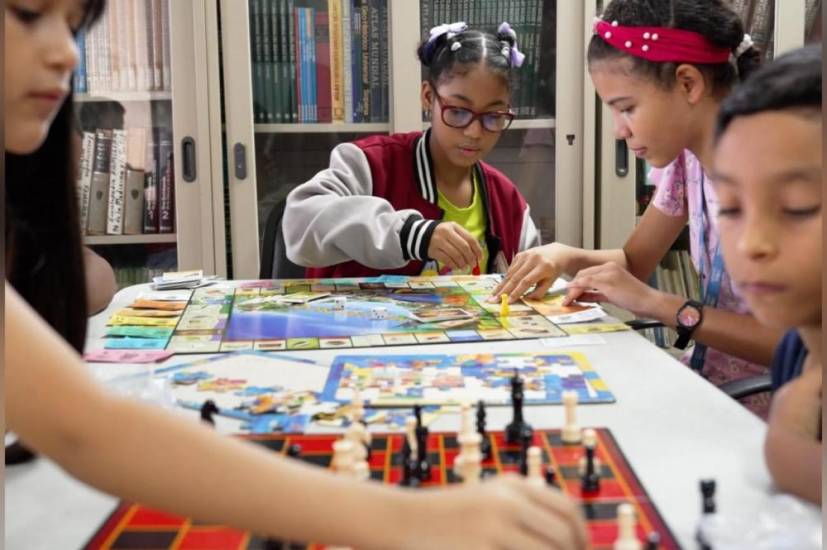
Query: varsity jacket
[[374, 209]]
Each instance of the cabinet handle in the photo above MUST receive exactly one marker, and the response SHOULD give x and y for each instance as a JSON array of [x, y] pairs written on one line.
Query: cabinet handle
[[621, 158], [240, 161], [188, 159]]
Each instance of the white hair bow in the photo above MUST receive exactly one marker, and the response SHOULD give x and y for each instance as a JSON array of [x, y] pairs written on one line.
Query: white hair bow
[[516, 56]]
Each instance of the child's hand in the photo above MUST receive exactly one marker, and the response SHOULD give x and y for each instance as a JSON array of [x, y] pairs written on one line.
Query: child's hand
[[611, 283], [455, 247], [537, 266], [796, 405], [505, 513]]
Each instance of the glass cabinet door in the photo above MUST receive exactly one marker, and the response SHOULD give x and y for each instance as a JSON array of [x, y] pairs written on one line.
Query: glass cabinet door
[[140, 204]]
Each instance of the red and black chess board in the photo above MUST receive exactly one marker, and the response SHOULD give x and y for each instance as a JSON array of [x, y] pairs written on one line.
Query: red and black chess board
[[134, 526]]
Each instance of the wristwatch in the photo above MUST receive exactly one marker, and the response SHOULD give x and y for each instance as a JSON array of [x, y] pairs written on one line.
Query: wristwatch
[[688, 318]]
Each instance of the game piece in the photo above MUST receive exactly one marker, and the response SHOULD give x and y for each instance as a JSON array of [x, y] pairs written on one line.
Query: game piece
[[505, 307], [469, 466], [294, 450], [590, 481], [571, 432], [525, 443], [339, 303], [379, 313], [551, 476], [466, 425], [626, 522], [410, 433], [708, 496], [408, 467], [422, 462], [534, 462], [356, 433], [519, 428], [652, 541], [208, 409], [485, 444], [342, 462]]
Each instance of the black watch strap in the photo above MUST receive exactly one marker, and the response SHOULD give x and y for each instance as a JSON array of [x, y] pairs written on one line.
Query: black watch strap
[[684, 331]]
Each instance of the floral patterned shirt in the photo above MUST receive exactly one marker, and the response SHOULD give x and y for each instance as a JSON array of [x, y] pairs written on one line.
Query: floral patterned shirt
[[678, 194]]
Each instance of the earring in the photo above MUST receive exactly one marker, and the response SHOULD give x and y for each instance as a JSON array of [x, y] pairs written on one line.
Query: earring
[[427, 114]]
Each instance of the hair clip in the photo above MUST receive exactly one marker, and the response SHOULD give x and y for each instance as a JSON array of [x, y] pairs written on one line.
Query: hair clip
[[456, 45], [515, 55], [448, 29]]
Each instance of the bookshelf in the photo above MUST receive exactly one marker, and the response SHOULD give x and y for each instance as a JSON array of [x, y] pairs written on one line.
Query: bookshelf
[[142, 206], [284, 145]]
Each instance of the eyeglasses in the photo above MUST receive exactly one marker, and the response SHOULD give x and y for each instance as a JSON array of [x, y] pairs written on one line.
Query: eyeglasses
[[460, 117]]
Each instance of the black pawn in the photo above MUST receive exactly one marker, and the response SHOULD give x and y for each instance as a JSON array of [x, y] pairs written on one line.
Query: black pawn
[[208, 409], [485, 445], [519, 429], [408, 466], [591, 480], [652, 541], [551, 476], [708, 496], [294, 450], [423, 466]]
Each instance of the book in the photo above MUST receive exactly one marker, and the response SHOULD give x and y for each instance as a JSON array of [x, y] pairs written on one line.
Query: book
[[158, 39], [99, 187], [166, 184], [79, 81], [139, 26], [257, 52], [117, 183], [84, 181], [384, 63], [292, 65], [356, 59], [151, 171], [374, 54], [278, 83], [324, 106], [347, 60], [166, 73], [149, 46], [365, 55], [335, 22], [268, 84], [133, 207], [298, 33]]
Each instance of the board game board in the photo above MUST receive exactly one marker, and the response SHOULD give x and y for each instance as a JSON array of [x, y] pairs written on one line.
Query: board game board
[[310, 314], [133, 526], [399, 380]]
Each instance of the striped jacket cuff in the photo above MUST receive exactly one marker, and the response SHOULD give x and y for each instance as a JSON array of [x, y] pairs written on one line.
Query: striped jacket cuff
[[415, 237]]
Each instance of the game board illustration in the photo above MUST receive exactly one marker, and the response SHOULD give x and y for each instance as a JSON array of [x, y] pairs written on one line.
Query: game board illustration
[[134, 526], [303, 314], [439, 379]]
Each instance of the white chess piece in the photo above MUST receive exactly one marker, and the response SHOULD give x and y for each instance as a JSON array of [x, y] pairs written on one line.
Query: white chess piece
[[571, 433], [410, 434], [534, 461], [626, 523], [357, 406], [466, 419], [342, 461], [355, 433]]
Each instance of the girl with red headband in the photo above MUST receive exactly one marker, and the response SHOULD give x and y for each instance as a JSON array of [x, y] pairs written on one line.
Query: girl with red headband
[[664, 67]]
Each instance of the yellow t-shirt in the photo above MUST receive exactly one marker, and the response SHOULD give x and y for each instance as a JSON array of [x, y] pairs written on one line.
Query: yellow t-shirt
[[473, 219]]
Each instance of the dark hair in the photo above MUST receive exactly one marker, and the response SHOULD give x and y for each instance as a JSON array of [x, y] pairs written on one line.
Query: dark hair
[[713, 19], [792, 81], [44, 256], [442, 61]]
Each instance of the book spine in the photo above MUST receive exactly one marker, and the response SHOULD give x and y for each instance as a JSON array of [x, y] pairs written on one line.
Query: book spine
[[158, 43], [117, 183], [267, 63], [375, 52], [310, 19], [347, 60], [166, 186], [258, 55], [151, 184], [105, 54], [134, 187], [165, 68], [291, 43], [91, 59], [324, 100], [99, 189], [140, 24], [334, 10], [384, 62], [79, 83], [149, 45], [356, 63], [426, 18], [126, 29], [298, 31], [365, 36], [275, 67], [84, 183]]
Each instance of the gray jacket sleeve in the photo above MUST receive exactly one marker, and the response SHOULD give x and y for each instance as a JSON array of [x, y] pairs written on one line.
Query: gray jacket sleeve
[[334, 218], [529, 236]]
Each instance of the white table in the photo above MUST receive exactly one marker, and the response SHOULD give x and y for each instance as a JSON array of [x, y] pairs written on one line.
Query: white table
[[674, 427]]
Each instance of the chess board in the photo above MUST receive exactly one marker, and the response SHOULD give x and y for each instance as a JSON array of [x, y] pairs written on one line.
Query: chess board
[[259, 315], [133, 526]]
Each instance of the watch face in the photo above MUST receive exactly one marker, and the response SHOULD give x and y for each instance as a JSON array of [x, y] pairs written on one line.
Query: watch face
[[689, 316]]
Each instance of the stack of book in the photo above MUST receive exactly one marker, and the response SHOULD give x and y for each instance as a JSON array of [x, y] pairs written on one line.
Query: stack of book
[[317, 61], [128, 50], [126, 182]]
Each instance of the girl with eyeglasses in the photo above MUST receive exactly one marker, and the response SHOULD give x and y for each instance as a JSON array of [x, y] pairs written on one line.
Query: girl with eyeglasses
[[423, 203]]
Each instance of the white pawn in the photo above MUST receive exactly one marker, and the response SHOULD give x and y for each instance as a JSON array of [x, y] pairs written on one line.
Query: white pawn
[[342, 462], [468, 466], [466, 419], [356, 433], [626, 523], [357, 406], [410, 434], [534, 461], [571, 433]]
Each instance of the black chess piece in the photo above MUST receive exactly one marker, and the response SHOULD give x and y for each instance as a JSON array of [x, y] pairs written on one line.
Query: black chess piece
[[652, 541], [208, 409], [423, 465], [591, 479], [294, 450], [551, 476], [485, 444], [707, 507], [519, 429]]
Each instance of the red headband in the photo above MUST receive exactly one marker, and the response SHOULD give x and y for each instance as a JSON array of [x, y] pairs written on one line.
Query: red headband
[[661, 44]]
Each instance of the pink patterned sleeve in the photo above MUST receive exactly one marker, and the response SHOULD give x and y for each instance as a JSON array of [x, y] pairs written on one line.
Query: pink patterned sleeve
[[670, 181]]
